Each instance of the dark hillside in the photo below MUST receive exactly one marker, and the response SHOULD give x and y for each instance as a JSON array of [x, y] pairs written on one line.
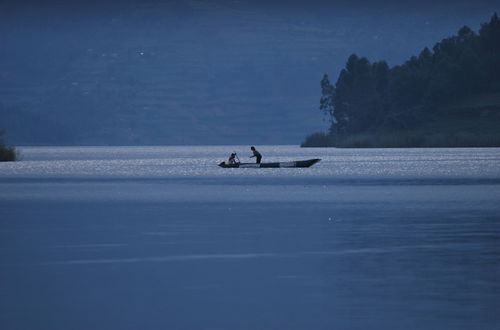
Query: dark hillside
[[447, 96]]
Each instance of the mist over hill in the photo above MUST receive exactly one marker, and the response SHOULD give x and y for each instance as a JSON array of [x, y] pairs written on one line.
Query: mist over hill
[[195, 72]]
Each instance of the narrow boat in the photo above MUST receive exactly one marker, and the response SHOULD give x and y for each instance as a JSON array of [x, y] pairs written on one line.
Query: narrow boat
[[298, 163]]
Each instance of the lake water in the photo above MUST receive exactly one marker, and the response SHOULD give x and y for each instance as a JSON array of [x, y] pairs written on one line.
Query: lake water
[[162, 238]]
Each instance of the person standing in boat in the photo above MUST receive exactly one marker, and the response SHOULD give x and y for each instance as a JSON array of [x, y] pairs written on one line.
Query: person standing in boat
[[256, 154]]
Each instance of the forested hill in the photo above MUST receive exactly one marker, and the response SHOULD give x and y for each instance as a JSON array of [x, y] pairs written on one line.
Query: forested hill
[[447, 96]]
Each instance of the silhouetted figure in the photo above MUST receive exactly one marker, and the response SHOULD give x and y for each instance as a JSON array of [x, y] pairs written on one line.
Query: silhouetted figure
[[256, 154], [232, 159]]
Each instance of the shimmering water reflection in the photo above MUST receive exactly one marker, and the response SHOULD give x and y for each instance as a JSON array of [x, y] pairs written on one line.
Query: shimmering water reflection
[[162, 238], [200, 161]]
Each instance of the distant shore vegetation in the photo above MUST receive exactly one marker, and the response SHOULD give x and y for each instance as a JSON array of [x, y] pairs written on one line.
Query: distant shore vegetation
[[445, 97], [7, 153]]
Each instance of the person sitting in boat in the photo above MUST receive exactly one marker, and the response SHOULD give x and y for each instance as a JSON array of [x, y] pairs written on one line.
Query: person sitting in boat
[[256, 154], [232, 159]]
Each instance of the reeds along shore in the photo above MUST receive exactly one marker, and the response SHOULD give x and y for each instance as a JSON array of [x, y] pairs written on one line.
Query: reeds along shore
[[7, 153]]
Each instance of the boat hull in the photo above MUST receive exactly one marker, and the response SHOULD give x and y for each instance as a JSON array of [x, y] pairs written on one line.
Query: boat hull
[[299, 163]]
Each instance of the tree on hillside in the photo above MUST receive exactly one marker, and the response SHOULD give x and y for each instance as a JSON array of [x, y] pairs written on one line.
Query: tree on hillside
[[489, 39], [359, 94], [326, 101]]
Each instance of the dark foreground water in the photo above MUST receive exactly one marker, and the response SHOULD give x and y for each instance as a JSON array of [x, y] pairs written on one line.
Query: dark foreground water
[[161, 238]]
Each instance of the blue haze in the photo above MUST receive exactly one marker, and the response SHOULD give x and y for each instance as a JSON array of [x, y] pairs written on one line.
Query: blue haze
[[196, 72], [162, 238]]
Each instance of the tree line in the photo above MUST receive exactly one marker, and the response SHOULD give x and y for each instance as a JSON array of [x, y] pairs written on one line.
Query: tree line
[[372, 99]]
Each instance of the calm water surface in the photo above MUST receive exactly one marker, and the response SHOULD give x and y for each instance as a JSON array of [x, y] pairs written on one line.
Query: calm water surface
[[162, 238]]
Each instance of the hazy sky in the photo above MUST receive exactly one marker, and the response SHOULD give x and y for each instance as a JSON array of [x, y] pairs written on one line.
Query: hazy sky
[[151, 70]]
